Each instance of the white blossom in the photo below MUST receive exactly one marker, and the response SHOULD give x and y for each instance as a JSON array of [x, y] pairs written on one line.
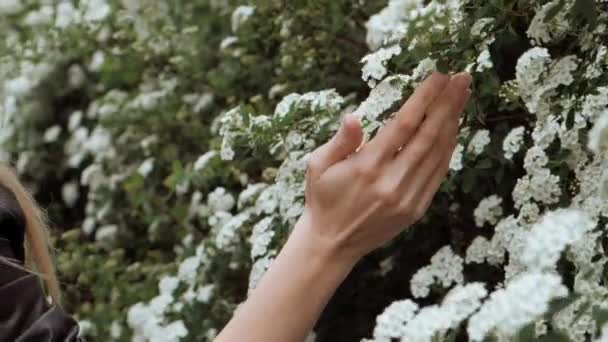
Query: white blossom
[[456, 161], [146, 167], [11, 7], [240, 15], [374, 68], [70, 193], [96, 10], [391, 322], [513, 142], [52, 133], [521, 302], [478, 143], [66, 15], [549, 237], [489, 210], [446, 268], [203, 160]]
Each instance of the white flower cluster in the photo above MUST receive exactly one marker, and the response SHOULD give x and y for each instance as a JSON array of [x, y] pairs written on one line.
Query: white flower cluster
[[150, 321], [513, 142], [549, 237], [542, 30], [489, 210], [374, 68], [404, 320], [509, 309], [445, 268], [479, 141]]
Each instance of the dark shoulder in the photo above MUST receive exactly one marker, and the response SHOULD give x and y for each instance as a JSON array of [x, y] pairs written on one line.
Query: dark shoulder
[[12, 224]]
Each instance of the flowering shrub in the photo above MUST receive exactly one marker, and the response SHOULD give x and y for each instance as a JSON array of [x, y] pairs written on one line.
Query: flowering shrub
[[173, 139]]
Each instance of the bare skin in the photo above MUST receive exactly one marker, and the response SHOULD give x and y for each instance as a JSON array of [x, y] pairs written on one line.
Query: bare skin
[[359, 195]]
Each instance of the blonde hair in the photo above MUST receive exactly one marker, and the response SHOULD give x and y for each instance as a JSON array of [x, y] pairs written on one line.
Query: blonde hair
[[38, 255]]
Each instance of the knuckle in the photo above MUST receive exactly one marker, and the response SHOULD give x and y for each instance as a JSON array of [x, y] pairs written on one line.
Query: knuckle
[[418, 150], [428, 136], [367, 171], [406, 212], [418, 213], [389, 194], [404, 125]]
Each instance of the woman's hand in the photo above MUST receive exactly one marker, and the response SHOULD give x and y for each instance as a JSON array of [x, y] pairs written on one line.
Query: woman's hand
[[357, 200]]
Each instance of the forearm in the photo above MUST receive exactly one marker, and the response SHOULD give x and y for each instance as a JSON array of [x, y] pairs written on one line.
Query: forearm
[[292, 294]]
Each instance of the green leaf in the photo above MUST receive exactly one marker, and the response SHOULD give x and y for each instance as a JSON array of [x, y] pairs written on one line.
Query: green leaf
[[527, 333], [561, 303], [484, 164], [468, 181], [586, 10], [599, 315]]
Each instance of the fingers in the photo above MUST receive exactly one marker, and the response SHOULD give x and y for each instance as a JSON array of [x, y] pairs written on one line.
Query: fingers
[[345, 142], [423, 174], [425, 192], [402, 127], [440, 115]]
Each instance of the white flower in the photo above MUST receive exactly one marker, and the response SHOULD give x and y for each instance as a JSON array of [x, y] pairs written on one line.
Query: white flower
[[167, 285], [456, 161], [261, 237], [374, 68], [513, 142], [258, 270], [97, 61], [42, 16], [390, 24], [146, 167], [87, 328], [115, 330], [107, 234], [52, 133], [521, 302], [477, 250], [598, 136], [173, 332], [220, 200], [488, 210], [70, 193], [66, 15], [240, 15], [541, 30], [479, 142], [227, 233], [595, 104], [549, 237], [391, 322], [382, 97], [445, 268], [540, 185], [10, 7], [19, 86], [457, 306], [484, 61], [96, 10], [203, 160], [204, 293], [187, 269]]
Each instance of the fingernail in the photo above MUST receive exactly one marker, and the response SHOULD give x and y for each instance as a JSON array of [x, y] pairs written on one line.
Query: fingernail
[[464, 79]]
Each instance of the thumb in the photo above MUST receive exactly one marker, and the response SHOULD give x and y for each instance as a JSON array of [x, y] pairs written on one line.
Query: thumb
[[345, 142]]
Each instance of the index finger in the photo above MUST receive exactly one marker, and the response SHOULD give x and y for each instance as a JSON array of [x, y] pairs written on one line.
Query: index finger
[[402, 127]]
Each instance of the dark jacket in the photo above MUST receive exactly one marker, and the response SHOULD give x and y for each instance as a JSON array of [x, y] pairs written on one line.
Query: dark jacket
[[25, 314]]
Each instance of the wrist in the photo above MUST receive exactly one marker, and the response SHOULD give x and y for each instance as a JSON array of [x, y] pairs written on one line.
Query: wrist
[[327, 250]]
